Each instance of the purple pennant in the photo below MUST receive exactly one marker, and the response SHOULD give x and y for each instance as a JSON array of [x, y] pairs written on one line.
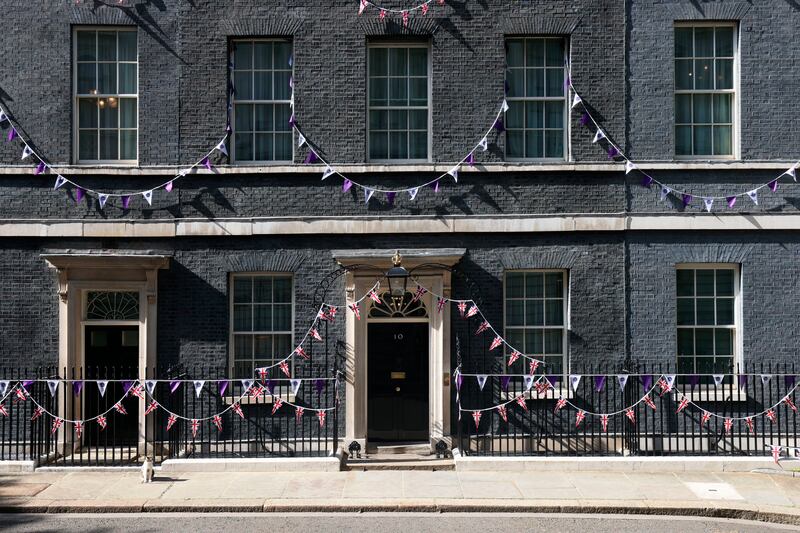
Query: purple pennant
[[79, 195], [567, 82], [731, 201], [694, 380], [471, 159], [743, 381], [459, 381], [612, 152], [27, 383], [207, 163], [599, 381], [435, 186], [168, 187], [687, 199], [346, 185], [647, 382], [12, 134], [504, 382], [773, 185], [126, 386], [223, 386], [292, 121], [270, 385], [390, 197], [554, 380], [40, 168], [647, 181], [311, 158], [126, 202], [173, 386], [790, 381], [77, 387], [498, 125], [319, 384], [585, 119]]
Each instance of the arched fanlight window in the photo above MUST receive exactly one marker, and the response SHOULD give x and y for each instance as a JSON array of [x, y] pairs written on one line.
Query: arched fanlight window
[[397, 307], [112, 305]]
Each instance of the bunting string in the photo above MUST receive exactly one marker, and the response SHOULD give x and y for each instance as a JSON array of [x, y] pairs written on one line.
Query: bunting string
[[423, 8], [762, 413]]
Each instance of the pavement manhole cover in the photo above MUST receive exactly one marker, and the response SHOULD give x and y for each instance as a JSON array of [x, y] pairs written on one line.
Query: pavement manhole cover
[[714, 491]]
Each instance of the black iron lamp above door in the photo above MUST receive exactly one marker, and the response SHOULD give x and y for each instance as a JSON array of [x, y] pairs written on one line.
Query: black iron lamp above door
[[397, 276]]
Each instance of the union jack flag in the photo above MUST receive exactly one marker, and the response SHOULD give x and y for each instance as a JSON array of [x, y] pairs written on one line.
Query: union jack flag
[[495, 343], [284, 366], [788, 401], [137, 391], [277, 405], [332, 313], [217, 420], [382, 14], [604, 422], [521, 402], [728, 425], [503, 414], [542, 386], [195, 427], [171, 421], [579, 416], [3, 410], [301, 352], [771, 415], [374, 296], [120, 409], [476, 416], [237, 409], [37, 413], [321, 415], [776, 451], [78, 429], [440, 304], [315, 334], [705, 418], [751, 425], [665, 387], [533, 366], [150, 408], [483, 327], [462, 308], [472, 311], [101, 420], [323, 315], [513, 357], [356, 311], [263, 373], [298, 413], [405, 18], [560, 404], [631, 415], [420, 292], [424, 9], [684, 403], [255, 392], [649, 401], [56, 424], [21, 393]]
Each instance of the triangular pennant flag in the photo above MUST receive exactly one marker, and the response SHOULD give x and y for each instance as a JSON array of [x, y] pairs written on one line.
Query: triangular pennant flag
[[413, 193], [454, 172], [126, 202], [792, 172], [148, 197], [60, 181], [346, 185], [102, 199], [3, 116], [599, 382], [718, 379], [3, 387], [622, 379], [505, 106], [709, 202], [743, 378], [295, 385], [670, 379], [459, 380], [574, 380], [629, 166], [12, 134], [687, 199], [790, 381], [753, 196], [598, 136], [647, 382], [52, 384], [173, 386], [101, 386], [504, 381], [665, 192], [484, 144], [168, 187], [773, 185], [27, 152], [481, 380], [731, 201], [246, 385], [368, 195], [223, 386], [150, 385], [527, 381], [765, 378], [198, 386], [390, 196], [222, 148], [575, 101], [328, 172]]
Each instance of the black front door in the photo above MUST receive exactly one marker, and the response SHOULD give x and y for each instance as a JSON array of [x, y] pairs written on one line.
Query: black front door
[[111, 353], [397, 397]]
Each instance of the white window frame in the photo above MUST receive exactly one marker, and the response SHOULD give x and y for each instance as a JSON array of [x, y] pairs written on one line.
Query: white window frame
[[565, 363], [401, 44], [735, 91], [565, 98], [76, 97], [234, 101], [737, 309], [231, 347]]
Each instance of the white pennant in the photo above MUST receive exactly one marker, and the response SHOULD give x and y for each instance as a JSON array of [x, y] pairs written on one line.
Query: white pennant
[[3, 387], [753, 196], [599, 135], [622, 379], [148, 196], [574, 379], [3, 116], [60, 181], [484, 144], [102, 198], [505, 106], [629, 166], [665, 192], [222, 148], [792, 172], [718, 379], [709, 202], [413, 192], [301, 140], [481, 380], [27, 152], [291, 100], [246, 384], [52, 384], [198, 386], [101, 386], [528, 382], [368, 195], [327, 172], [295, 385], [765, 378], [670, 379], [575, 101], [150, 385], [454, 172]]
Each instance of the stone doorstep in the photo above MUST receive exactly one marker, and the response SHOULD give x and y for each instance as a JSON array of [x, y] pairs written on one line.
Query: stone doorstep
[[320, 464]]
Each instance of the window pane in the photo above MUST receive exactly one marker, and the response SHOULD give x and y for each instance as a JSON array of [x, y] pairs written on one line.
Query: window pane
[[534, 285], [283, 53], [724, 341], [535, 49], [378, 146], [243, 117], [705, 311], [702, 140], [378, 120], [109, 144], [515, 285], [282, 114], [554, 143], [86, 78], [262, 55], [106, 46], [127, 113], [242, 347], [555, 52], [515, 116], [418, 120], [683, 42], [704, 365], [554, 312], [553, 341], [262, 347], [263, 119], [242, 290], [419, 91], [282, 287], [127, 144], [243, 145], [725, 311], [724, 282], [554, 285], [87, 46], [683, 109], [515, 338], [703, 74], [685, 342], [262, 149], [555, 82], [398, 145], [108, 117], [515, 310], [418, 145], [262, 289], [418, 62], [705, 282], [684, 74], [398, 91], [398, 62], [262, 318], [127, 45], [242, 319], [87, 113], [704, 341], [723, 140], [282, 89], [704, 42], [398, 120], [685, 282], [243, 55], [535, 82], [243, 85], [534, 115], [87, 145], [683, 140], [378, 91], [107, 78], [283, 146], [554, 116], [722, 109], [534, 312], [515, 143], [282, 346], [702, 108], [262, 85], [282, 317], [516, 82], [686, 312], [378, 62], [724, 40], [724, 73], [515, 53]]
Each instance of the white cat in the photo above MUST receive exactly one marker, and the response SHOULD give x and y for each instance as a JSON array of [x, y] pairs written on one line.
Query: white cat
[[147, 470]]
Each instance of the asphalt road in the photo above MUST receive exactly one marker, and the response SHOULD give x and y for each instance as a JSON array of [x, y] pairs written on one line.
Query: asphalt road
[[382, 522]]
